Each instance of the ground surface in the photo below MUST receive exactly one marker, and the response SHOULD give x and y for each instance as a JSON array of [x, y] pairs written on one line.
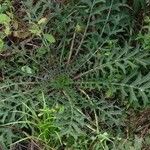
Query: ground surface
[[74, 74]]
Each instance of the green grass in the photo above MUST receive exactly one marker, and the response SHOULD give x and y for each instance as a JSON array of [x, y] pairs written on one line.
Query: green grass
[[74, 74]]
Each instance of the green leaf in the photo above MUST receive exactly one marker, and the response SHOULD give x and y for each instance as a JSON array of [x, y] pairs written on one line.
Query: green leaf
[[7, 30], [50, 38], [4, 19], [41, 51], [1, 44], [27, 69], [35, 29]]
